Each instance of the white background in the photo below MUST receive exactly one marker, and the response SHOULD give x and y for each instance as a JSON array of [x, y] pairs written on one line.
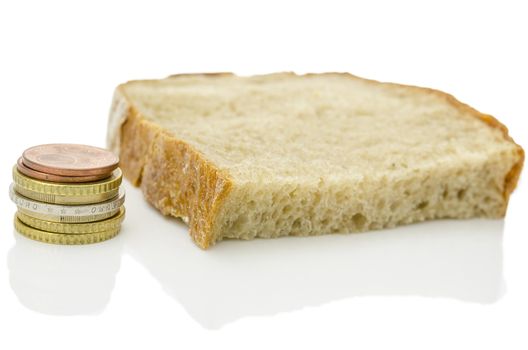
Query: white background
[[449, 284]]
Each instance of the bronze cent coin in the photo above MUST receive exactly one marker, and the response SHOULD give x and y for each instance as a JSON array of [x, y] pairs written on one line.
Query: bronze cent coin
[[56, 178], [70, 160]]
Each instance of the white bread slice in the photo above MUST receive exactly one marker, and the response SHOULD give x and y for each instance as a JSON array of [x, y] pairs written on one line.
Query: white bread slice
[[282, 154]]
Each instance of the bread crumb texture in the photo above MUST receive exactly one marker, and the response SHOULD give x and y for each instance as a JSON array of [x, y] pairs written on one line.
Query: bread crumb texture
[[283, 154]]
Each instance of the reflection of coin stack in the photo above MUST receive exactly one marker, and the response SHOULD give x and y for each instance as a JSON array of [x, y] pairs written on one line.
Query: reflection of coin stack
[[68, 194]]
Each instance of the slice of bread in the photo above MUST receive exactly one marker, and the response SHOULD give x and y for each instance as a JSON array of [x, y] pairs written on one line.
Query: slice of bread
[[282, 154]]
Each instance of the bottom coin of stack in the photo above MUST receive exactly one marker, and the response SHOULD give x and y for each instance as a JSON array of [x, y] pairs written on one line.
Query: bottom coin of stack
[[68, 194]]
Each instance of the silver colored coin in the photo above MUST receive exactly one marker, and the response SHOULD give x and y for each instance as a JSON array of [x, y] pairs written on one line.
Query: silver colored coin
[[67, 213], [68, 219]]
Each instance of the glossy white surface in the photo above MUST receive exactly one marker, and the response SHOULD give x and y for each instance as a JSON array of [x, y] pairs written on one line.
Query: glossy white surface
[[435, 285], [444, 275], [455, 260]]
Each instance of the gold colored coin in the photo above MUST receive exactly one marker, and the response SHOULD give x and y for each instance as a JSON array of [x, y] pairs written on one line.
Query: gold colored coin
[[61, 238], [70, 200], [56, 190], [76, 228]]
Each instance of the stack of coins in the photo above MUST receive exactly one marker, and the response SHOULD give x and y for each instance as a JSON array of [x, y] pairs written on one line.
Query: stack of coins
[[68, 194]]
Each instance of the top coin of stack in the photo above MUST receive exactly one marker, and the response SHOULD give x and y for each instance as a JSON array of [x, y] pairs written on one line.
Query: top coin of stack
[[68, 194]]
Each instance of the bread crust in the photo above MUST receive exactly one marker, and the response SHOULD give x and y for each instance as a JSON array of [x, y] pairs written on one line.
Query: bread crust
[[179, 181], [174, 177]]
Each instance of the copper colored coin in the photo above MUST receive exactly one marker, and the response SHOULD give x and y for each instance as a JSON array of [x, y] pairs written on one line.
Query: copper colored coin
[[56, 178], [70, 160]]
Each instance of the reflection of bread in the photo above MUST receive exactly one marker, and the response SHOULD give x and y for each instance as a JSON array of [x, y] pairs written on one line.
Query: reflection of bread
[[282, 154]]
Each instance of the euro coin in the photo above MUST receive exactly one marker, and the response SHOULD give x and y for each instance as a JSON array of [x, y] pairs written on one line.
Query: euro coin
[[24, 169], [70, 159], [67, 193], [67, 213], [73, 228], [61, 238]]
